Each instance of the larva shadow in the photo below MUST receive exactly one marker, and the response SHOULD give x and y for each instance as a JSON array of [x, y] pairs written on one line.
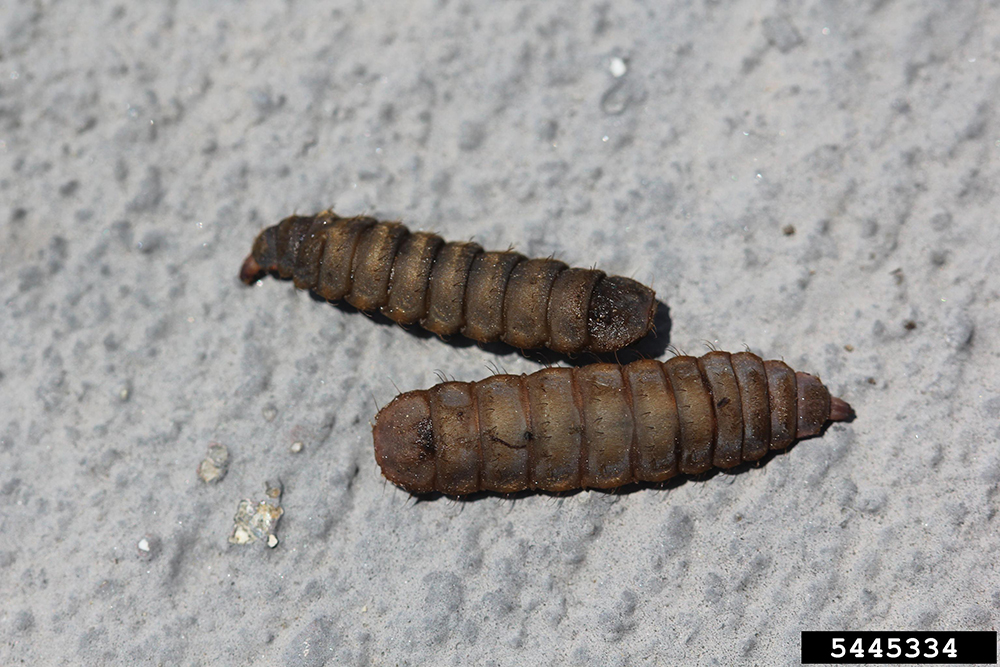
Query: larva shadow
[[673, 483]]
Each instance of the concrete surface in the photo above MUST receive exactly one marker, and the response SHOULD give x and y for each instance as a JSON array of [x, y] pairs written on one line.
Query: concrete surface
[[816, 180]]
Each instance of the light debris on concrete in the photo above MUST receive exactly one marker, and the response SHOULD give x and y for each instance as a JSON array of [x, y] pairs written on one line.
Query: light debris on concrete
[[258, 520], [215, 465]]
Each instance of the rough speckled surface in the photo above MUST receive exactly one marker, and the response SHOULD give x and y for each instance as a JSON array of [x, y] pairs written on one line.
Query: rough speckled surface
[[142, 148]]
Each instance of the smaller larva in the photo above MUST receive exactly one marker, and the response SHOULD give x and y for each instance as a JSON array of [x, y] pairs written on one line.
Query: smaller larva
[[598, 426], [451, 288]]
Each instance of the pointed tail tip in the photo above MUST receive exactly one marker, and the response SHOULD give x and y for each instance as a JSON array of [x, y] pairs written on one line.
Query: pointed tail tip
[[250, 270], [840, 410]]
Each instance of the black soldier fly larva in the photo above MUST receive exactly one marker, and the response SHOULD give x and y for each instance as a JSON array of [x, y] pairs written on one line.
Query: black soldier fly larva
[[450, 288], [598, 426]]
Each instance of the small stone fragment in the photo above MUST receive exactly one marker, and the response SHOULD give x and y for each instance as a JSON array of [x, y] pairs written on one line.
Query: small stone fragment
[[269, 412], [148, 547], [241, 535], [296, 447], [215, 465], [258, 521]]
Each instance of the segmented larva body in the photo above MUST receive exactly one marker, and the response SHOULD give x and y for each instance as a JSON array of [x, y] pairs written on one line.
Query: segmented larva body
[[598, 426], [450, 288]]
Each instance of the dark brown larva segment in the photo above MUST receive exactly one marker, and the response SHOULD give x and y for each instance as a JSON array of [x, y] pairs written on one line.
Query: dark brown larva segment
[[411, 273], [694, 410], [657, 425], [782, 394], [484, 294], [568, 307], [554, 450], [725, 391], [752, 382], [456, 437], [446, 289], [450, 288], [335, 280], [371, 267], [504, 433], [598, 426], [526, 306], [608, 426]]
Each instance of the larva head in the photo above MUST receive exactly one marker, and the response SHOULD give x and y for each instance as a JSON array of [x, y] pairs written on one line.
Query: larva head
[[263, 257], [816, 407], [404, 442], [276, 247], [621, 312]]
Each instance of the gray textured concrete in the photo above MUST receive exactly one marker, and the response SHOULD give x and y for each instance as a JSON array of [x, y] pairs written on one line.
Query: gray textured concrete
[[143, 146]]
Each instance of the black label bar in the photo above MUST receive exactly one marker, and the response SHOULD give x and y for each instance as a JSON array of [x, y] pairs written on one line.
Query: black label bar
[[900, 648]]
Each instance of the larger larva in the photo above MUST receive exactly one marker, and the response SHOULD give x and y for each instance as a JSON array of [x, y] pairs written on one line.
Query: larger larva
[[598, 426], [450, 288]]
